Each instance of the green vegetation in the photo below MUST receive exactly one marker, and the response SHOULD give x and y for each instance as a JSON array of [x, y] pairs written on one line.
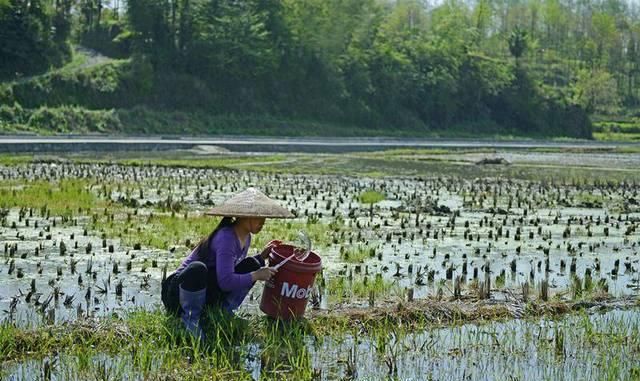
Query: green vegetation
[[376, 164], [116, 83], [344, 289], [624, 130], [354, 68], [224, 161], [371, 197], [165, 230], [58, 120], [158, 201], [60, 199], [616, 136], [591, 200], [320, 234], [152, 345], [141, 120], [158, 231], [157, 345], [11, 160], [357, 254], [35, 36]]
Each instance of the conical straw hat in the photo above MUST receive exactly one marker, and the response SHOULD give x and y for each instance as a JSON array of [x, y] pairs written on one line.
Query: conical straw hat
[[250, 203]]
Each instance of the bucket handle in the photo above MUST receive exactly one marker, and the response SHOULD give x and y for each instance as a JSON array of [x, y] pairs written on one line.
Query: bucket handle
[[304, 238]]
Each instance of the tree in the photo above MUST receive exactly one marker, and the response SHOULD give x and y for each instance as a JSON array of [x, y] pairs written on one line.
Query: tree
[[605, 35], [152, 33], [596, 91], [517, 43], [230, 42], [30, 44], [482, 15]]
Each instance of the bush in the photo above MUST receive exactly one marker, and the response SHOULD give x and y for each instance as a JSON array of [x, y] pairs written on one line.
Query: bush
[[110, 85], [73, 119], [109, 38], [6, 94], [12, 114]]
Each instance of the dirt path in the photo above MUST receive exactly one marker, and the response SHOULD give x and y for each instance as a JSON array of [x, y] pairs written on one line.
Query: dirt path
[[427, 312], [93, 58]]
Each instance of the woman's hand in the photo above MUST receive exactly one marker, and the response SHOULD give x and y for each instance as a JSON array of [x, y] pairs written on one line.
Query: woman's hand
[[263, 274], [267, 249]]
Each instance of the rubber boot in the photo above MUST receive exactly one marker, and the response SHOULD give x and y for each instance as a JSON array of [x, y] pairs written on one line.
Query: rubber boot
[[192, 303]]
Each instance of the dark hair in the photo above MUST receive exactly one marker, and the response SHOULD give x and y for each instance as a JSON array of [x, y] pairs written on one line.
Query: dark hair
[[202, 248]]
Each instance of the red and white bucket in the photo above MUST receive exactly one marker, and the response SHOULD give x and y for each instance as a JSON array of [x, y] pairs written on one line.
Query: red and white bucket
[[285, 296]]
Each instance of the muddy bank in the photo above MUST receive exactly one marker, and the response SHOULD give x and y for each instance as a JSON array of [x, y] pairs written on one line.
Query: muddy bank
[[424, 313]]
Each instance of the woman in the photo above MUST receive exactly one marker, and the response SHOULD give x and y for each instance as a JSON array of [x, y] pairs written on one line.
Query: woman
[[218, 271]]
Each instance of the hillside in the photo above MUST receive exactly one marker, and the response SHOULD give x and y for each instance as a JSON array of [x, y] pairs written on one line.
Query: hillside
[[340, 68], [94, 94]]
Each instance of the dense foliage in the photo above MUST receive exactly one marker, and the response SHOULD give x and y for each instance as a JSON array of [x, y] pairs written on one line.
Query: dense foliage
[[34, 35], [532, 67]]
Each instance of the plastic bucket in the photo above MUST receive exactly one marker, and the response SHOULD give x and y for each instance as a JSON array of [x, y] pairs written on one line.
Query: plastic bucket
[[285, 296]]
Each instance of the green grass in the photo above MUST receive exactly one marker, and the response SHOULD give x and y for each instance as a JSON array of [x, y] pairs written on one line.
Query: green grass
[[625, 126], [627, 130], [371, 197], [617, 136], [152, 345], [161, 231], [158, 346], [12, 160], [596, 200], [63, 198], [418, 153], [143, 120], [360, 288], [357, 254], [602, 150], [166, 230], [220, 161], [320, 234], [50, 121], [628, 149], [361, 165], [78, 59]]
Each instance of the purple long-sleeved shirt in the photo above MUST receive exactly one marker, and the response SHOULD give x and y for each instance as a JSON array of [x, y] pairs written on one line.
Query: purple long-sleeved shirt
[[225, 253]]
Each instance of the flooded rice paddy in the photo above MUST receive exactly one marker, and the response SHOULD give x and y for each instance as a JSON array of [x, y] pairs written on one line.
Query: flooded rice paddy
[[598, 346], [86, 240]]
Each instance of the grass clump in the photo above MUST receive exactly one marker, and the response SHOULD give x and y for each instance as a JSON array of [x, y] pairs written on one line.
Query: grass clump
[[625, 130], [166, 230], [47, 120], [153, 345], [320, 234], [161, 231], [361, 288], [371, 197], [358, 254], [62, 198], [13, 160], [210, 162]]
